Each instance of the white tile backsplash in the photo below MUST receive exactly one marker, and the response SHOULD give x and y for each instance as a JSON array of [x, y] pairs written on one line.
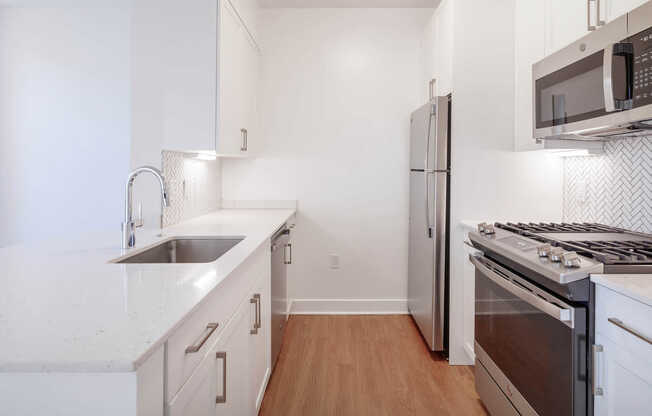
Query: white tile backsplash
[[614, 188], [194, 186]]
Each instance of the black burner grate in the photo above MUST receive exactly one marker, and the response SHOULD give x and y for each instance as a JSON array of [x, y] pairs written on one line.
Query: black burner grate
[[611, 252], [551, 227], [627, 252]]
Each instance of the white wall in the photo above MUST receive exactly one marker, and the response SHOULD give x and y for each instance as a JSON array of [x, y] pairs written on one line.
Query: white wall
[[338, 87], [489, 181], [64, 120]]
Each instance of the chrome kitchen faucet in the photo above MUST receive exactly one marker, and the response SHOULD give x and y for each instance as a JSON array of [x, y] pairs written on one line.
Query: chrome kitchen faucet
[[129, 226]]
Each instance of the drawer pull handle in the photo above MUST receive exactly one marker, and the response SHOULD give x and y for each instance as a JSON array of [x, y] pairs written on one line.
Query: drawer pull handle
[[222, 397], [210, 328], [256, 301], [629, 329]]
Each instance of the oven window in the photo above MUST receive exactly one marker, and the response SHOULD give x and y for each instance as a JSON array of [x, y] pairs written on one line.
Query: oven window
[[533, 349], [573, 93]]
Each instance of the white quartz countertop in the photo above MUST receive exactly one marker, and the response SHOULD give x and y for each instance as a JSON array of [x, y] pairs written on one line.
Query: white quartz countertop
[[65, 308], [635, 286]]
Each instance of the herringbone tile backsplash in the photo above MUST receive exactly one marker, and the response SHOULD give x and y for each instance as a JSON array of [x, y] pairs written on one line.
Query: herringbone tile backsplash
[[614, 188]]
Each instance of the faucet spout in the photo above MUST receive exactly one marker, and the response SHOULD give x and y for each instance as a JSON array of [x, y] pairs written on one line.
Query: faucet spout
[[129, 226]]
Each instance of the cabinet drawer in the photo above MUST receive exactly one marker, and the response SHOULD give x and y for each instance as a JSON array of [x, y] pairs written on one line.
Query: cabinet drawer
[[632, 314], [218, 307]]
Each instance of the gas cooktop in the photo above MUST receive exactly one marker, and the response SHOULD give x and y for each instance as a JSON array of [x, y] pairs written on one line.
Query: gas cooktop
[[610, 246], [566, 252]]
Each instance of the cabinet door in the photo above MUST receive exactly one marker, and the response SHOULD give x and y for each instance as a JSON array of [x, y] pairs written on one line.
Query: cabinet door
[[611, 9], [625, 378], [197, 396], [232, 357], [529, 48], [260, 343], [238, 61], [567, 22]]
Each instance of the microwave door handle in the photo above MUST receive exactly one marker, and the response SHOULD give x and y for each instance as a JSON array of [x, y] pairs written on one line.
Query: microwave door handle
[[565, 316], [626, 50]]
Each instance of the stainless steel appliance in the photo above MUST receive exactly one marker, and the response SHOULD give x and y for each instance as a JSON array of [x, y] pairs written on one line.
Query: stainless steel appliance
[[429, 223], [281, 258], [600, 86], [534, 311]]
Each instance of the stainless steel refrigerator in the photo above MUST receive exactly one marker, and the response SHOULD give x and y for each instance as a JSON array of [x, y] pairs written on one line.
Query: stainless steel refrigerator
[[429, 221]]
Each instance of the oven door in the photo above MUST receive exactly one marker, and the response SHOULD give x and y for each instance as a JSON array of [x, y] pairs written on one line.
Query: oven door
[[531, 343]]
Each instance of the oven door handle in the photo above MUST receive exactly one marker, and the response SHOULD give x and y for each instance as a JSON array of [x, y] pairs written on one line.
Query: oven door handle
[[563, 315]]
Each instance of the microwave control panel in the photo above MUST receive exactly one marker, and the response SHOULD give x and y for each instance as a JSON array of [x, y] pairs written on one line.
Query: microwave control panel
[[642, 43]]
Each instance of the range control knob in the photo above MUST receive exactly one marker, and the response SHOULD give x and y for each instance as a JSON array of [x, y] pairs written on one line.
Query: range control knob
[[570, 259], [489, 229], [544, 250], [555, 254], [481, 227]]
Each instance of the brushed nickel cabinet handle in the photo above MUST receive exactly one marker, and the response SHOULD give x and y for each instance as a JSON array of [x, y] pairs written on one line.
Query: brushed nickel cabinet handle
[[598, 14], [243, 147], [589, 26], [257, 297], [210, 328], [222, 397], [289, 246], [256, 301], [597, 391], [629, 329]]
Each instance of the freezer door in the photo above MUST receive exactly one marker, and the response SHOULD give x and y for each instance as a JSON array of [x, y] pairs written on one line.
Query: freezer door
[[421, 135], [426, 259], [429, 136]]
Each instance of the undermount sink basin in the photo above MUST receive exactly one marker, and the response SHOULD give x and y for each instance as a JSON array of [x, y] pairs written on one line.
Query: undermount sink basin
[[185, 250]]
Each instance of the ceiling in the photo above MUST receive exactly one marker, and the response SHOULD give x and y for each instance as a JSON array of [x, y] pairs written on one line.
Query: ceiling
[[350, 3]]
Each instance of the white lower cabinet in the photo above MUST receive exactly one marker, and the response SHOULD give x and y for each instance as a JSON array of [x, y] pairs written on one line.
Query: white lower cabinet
[[625, 380], [260, 344], [233, 373], [622, 355]]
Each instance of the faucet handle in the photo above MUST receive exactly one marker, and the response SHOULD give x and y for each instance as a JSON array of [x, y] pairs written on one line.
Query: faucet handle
[[138, 221]]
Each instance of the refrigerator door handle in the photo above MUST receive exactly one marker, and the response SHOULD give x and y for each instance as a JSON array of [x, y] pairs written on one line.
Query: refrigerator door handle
[[426, 179]]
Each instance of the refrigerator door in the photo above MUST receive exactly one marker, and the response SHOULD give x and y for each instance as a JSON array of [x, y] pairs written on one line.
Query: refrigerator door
[[429, 136], [427, 255]]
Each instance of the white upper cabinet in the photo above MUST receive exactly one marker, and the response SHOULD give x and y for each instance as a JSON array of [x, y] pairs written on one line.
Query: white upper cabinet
[[567, 21], [237, 125], [529, 47], [195, 83], [611, 9], [438, 44]]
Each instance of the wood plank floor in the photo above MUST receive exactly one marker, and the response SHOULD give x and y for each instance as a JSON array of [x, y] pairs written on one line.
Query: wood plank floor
[[365, 365]]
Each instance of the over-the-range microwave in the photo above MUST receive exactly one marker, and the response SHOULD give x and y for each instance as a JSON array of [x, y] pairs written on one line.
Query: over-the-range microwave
[[599, 87]]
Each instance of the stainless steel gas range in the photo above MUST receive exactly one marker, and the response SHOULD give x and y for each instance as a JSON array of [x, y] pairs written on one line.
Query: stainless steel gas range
[[534, 311]]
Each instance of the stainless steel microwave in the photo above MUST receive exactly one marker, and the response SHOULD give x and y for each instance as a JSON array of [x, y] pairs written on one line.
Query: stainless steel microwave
[[599, 87]]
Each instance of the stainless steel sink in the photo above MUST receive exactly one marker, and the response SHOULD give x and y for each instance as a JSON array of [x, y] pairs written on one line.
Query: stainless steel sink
[[185, 250]]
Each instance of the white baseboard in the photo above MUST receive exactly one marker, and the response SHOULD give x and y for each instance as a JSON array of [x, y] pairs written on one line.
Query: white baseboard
[[349, 307]]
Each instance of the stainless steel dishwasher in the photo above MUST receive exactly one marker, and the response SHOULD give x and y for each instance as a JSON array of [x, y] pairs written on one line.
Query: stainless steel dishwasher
[[281, 257]]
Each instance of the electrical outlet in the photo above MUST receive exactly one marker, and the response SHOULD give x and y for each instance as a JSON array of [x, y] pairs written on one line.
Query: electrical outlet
[[334, 261]]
